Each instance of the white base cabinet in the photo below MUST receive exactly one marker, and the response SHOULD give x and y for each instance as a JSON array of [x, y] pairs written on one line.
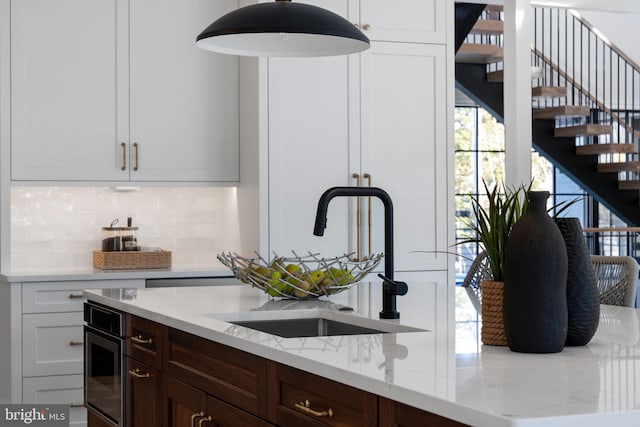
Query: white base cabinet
[[63, 390], [42, 324]]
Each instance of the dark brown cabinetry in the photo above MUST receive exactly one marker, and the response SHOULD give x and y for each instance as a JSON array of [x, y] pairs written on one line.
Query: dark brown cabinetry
[[176, 379], [145, 343], [190, 407], [396, 414], [304, 399]]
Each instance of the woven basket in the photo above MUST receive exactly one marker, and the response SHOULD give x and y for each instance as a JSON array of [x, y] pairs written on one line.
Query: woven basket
[[492, 332], [133, 260]]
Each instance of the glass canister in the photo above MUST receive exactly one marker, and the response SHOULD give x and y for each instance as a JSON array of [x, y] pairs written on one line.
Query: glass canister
[[111, 241], [129, 239]]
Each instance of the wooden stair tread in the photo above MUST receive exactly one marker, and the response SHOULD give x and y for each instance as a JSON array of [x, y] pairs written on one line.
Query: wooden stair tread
[[488, 27], [632, 184], [563, 110], [494, 8], [619, 167], [476, 53], [495, 76], [596, 149], [582, 130], [549, 91]]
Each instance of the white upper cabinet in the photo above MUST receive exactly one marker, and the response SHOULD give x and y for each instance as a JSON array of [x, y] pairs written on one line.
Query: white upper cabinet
[[184, 100], [66, 89], [416, 21], [116, 90]]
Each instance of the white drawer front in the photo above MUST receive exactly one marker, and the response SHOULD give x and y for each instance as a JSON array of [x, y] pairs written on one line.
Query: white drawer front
[[52, 344], [55, 297], [63, 390]]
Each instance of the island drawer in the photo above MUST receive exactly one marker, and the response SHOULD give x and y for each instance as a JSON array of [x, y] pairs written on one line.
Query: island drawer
[[232, 375], [145, 340], [304, 399]]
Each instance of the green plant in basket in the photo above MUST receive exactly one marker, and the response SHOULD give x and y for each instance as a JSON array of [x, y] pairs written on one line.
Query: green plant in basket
[[492, 222]]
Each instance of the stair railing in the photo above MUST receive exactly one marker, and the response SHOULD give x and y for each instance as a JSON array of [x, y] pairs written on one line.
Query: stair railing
[[596, 73]]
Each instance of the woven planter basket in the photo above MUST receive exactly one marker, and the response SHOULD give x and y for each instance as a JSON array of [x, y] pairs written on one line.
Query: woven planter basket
[[492, 332]]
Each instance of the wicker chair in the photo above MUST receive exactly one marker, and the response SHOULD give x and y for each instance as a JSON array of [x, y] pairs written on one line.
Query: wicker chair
[[617, 278], [478, 271]]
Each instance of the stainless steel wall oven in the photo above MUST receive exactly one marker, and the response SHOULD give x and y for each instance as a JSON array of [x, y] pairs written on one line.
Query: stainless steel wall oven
[[104, 348]]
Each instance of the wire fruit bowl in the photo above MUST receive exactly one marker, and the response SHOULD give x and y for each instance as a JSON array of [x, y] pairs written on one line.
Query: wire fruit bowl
[[299, 277]]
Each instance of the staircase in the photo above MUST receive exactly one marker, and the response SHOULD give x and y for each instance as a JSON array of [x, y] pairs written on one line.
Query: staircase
[[583, 114]]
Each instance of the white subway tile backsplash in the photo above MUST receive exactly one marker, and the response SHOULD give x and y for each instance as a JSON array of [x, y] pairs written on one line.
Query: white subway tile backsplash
[[59, 227]]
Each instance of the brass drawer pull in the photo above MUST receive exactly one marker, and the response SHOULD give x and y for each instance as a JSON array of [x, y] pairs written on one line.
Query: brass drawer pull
[[136, 149], [75, 296], [124, 156], [76, 405], [73, 342], [140, 340], [306, 408], [136, 373], [204, 420], [193, 418]]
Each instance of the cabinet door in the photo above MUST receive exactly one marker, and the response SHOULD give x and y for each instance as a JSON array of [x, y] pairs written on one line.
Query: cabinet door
[[143, 391], [404, 147], [421, 21], [185, 404], [68, 99], [225, 415], [308, 153], [184, 100], [59, 389], [395, 414]]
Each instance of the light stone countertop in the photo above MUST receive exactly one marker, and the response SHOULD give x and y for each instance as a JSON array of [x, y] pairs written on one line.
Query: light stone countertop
[[445, 370], [38, 275]]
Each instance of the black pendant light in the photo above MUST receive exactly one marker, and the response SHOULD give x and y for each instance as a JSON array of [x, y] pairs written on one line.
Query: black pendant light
[[282, 28]]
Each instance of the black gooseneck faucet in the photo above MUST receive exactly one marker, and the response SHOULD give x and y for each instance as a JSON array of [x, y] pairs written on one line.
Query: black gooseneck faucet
[[390, 288]]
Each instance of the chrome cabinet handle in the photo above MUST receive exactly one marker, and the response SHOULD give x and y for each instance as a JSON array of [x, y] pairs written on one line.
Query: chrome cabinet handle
[[75, 296], [136, 373], [193, 418], [135, 152], [73, 342], [306, 408], [124, 156], [204, 420], [140, 340]]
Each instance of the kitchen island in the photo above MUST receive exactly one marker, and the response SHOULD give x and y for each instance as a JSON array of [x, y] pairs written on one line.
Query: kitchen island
[[444, 370]]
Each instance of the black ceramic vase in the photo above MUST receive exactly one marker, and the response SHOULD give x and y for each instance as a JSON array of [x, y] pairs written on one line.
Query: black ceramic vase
[[535, 282], [583, 301]]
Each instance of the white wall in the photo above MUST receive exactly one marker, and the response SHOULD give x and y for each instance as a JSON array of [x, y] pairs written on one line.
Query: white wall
[[619, 28], [57, 228]]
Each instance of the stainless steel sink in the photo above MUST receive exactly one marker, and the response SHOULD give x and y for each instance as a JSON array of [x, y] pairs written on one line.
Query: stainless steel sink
[[312, 327], [312, 323]]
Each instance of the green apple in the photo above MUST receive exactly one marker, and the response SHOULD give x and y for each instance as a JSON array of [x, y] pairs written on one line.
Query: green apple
[[275, 284]]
